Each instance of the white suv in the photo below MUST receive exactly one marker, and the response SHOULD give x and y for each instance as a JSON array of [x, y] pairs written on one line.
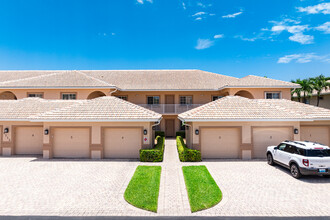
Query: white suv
[[301, 157]]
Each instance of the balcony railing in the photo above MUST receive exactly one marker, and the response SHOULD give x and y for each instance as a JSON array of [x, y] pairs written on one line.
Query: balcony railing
[[170, 108]]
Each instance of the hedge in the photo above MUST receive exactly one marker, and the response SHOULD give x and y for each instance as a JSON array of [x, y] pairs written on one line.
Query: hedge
[[181, 133], [186, 154], [155, 154], [160, 133]]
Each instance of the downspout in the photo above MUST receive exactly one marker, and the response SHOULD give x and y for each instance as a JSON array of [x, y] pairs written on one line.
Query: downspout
[[116, 89]]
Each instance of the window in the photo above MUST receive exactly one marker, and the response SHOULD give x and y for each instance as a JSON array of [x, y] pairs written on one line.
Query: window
[[272, 95], [299, 151], [185, 100], [67, 96], [281, 146], [122, 97], [39, 95], [289, 148], [182, 127], [153, 100], [215, 97]]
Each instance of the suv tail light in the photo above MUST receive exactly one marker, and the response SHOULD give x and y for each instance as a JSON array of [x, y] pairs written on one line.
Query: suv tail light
[[305, 162]]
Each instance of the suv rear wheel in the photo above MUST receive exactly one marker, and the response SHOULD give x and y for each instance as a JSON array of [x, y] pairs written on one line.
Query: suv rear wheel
[[270, 160], [295, 172]]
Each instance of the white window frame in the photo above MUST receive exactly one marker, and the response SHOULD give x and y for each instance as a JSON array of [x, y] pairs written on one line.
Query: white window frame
[[36, 94], [123, 97], [190, 97], [273, 92], [69, 96]]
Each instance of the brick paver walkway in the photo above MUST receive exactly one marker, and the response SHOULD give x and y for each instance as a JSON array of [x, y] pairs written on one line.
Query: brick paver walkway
[[32, 186]]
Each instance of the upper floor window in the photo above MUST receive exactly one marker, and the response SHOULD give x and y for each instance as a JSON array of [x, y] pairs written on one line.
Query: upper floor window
[[272, 95], [39, 95], [69, 96], [153, 100], [216, 97], [123, 97], [186, 100]]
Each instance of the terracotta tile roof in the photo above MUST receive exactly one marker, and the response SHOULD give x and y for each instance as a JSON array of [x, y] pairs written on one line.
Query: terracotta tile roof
[[22, 109], [235, 108], [59, 79], [133, 80], [107, 108], [257, 81]]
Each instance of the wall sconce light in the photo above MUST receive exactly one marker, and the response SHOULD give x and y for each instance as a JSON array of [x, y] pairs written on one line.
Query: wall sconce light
[[145, 131], [6, 130], [46, 131], [296, 131], [197, 132]]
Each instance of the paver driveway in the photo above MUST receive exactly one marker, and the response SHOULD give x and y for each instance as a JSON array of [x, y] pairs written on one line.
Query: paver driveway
[[31, 186]]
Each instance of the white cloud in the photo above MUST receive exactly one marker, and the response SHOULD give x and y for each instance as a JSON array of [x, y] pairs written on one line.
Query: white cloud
[[301, 58], [323, 8], [184, 6], [246, 39], [198, 18], [324, 27], [217, 36], [142, 1], [302, 38], [199, 13], [203, 5], [204, 43], [232, 15]]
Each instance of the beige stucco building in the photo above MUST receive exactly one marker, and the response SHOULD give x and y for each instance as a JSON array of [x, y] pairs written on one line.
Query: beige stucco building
[[113, 114]]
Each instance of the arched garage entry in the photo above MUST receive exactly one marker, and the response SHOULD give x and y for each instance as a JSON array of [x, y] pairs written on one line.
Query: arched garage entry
[[8, 96], [95, 94], [245, 94]]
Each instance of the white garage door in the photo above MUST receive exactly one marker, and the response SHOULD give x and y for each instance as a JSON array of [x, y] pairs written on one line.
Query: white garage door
[[220, 142], [71, 142], [316, 134], [268, 136], [122, 142], [28, 140]]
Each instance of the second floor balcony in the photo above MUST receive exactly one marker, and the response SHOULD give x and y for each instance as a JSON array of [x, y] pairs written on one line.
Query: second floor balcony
[[170, 108]]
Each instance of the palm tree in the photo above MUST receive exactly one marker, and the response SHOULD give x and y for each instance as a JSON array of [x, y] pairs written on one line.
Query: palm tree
[[319, 84], [296, 90], [306, 88]]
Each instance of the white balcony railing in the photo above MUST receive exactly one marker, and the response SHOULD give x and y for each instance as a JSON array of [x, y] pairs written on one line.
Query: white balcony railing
[[170, 108]]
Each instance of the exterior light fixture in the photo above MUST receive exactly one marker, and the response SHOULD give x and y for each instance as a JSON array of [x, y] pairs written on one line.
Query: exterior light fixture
[[6, 130], [46, 131], [296, 131], [197, 132], [145, 131]]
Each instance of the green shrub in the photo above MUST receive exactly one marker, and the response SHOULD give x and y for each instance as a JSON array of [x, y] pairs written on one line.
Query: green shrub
[[186, 154], [181, 133], [160, 133], [155, 154]]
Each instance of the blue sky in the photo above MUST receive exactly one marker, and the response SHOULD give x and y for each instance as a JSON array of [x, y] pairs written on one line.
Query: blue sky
[[282, 39]]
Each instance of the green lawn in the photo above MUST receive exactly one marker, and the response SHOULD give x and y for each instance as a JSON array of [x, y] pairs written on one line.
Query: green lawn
[[143, 189], [203, 191]]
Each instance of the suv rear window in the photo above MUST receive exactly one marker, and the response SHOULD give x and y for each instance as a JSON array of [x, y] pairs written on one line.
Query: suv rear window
[[318, 153]]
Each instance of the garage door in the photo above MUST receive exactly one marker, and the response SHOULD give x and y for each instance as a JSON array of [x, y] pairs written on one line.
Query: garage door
[[28, 140], [71, 142], [122, 142], [264, 137], [220, 142], [316, 134]]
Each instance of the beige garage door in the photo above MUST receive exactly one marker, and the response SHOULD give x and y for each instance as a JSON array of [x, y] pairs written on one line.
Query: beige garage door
[[268, 136], [220, 142], [71, 142], [28, 140], [316, 134], [122, 142]]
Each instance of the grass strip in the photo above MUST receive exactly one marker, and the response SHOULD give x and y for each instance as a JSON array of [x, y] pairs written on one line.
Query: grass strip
[[143, 189], [203, 191]]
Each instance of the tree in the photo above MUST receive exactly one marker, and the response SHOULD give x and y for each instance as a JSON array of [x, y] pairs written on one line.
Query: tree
[[296, 90], [306, 88], [319, 84]]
